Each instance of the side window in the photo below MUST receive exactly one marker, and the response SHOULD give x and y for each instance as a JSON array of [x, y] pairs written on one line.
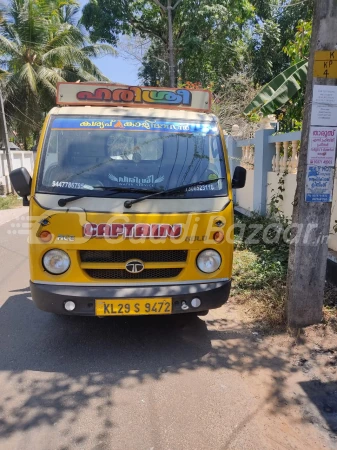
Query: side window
[[52, 150]]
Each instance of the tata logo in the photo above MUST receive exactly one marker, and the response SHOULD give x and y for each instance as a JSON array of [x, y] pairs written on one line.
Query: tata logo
[[134, 266]]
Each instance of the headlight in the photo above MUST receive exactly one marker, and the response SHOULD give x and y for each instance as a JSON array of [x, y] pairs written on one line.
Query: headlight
[[208, 261], [56, 261]]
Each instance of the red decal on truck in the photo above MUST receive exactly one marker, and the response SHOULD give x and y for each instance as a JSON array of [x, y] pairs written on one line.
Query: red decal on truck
[[138, 230]]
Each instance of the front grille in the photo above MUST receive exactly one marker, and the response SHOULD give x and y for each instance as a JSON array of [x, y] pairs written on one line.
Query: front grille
[[121, 256], [108, 274]]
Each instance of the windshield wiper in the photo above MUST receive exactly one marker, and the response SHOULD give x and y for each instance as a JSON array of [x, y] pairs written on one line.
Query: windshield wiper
[[112, 191], [129, 203]]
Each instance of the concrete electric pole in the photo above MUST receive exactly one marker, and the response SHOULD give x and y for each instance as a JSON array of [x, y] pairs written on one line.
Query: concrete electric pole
[[168, 9], [4, 136], [315, 177]]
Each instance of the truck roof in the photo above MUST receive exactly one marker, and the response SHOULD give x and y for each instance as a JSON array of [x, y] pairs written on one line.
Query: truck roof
[[148, 113]]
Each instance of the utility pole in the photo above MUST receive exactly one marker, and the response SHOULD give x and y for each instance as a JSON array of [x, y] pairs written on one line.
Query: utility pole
[[170, 45], [4, 137], [315, 177], [168, 9]]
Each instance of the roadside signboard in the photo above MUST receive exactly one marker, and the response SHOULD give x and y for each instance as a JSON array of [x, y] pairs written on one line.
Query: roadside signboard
[[105, 94]]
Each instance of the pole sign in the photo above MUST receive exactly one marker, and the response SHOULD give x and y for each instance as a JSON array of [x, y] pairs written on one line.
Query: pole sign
[[324, 106], [325, 64], [319, 184], [322, 146], [323, 134], [105, 94]]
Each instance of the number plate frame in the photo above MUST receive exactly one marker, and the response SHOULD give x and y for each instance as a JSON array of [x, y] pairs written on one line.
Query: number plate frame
[[133, 306]]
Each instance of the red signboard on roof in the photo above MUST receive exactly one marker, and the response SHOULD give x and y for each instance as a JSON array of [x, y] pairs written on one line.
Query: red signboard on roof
[[133, 96]]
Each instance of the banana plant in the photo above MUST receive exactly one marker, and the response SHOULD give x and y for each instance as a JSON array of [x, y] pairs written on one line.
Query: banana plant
[[281, 89]]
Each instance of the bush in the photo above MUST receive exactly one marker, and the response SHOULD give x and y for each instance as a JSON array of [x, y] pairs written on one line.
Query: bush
[[260, 270], [263, 237], [10, 201]]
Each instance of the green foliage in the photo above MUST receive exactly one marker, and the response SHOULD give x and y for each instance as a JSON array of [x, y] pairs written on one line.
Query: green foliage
[[265, 50], [108, 19], [298, 49], [284, 95], [263, 236], [9, 201], [40, 46], [264, 42], [291, 113], [261, 262], [208, 35], [280, 90]]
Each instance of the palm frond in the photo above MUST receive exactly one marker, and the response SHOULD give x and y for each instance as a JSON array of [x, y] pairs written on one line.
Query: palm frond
[[40, 45], [50, 73], [67, 35], [27, 76], [83, 75], [99, 50], [63, 55], [8, 46]]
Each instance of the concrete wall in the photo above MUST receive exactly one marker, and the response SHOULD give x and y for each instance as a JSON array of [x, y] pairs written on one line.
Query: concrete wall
[[245, 197], [18, 159], [286, 206]]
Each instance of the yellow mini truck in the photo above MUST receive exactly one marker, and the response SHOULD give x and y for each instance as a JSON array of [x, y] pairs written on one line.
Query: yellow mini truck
[[130, 203]]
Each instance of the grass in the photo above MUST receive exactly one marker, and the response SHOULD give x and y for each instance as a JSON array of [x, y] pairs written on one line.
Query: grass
[[253, 286], [10, 201], [259, 276]]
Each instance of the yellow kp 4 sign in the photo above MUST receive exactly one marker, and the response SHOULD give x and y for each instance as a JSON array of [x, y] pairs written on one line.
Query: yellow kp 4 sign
[[325, 64]]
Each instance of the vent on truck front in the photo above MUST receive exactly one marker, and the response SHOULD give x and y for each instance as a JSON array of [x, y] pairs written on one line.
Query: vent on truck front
[[115, 274], [120, 256]]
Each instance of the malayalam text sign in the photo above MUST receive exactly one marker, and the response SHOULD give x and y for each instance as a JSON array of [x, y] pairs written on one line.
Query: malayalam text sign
[[109, 94], [322, 146], [324, 106], [319, 184]]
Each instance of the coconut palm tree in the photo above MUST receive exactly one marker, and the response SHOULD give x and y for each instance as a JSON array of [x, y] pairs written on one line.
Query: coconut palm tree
[[40, 45]]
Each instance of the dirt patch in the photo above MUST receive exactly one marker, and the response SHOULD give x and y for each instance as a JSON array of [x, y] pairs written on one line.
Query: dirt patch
[[307, 383]]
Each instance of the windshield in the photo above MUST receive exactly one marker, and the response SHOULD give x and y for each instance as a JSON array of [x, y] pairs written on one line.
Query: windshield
[[83, 154]]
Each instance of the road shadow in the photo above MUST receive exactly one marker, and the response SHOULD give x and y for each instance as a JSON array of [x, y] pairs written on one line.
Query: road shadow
[[84, 358], [324, 397]]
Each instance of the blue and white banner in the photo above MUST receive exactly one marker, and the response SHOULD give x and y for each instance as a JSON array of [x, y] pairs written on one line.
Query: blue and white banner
[[319, 184], [131, 124]]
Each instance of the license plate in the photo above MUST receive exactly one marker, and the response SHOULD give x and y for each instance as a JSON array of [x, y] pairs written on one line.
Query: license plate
[[133, 306]]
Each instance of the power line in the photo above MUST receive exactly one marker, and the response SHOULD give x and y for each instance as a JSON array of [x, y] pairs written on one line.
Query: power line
[[32, 121], [290, 4], [12, 118]]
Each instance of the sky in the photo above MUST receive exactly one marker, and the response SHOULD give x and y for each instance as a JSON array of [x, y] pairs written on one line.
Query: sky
[[117, 69]]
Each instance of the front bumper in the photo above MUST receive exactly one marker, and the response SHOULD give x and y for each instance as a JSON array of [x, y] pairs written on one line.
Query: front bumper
[[51, 297]]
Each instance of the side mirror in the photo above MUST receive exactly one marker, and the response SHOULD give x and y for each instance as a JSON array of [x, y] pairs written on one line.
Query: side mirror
[[21, 181], [239, 178]]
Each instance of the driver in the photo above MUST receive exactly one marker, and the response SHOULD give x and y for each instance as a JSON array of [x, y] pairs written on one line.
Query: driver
[[119, 147]]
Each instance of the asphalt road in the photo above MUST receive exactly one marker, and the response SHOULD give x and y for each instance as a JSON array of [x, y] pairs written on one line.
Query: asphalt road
[[127, 384]]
